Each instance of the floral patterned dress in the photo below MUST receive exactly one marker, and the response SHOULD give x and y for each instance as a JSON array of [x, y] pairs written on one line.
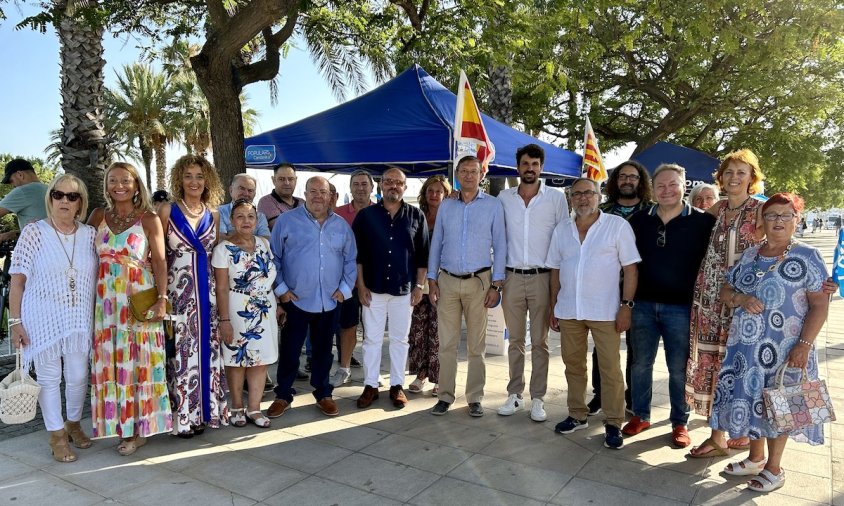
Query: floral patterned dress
[[195, 366], [128, 386], [710, 319], [252, 304], [759, 344]]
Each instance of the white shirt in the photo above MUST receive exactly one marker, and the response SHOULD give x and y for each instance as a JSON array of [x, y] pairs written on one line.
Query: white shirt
[[590, 272], [529, 228]]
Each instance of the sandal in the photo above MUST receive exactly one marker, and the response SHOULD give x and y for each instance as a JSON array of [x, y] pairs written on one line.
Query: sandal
[[745, 467], [771, 481], [436, 391], [714, 450], [129, 446], [261, 421], [238, 418], [739, 443], [416, 386]]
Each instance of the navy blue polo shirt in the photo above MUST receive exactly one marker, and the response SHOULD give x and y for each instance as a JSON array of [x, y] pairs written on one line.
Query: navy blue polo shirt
[[391, 249], [669, 266]]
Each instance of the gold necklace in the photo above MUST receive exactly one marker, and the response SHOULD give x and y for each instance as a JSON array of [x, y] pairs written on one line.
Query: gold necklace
[[122, 222], [70, 272], [191, 212]]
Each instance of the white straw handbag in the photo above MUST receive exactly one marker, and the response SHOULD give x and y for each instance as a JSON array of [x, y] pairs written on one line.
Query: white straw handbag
[[18, 395]]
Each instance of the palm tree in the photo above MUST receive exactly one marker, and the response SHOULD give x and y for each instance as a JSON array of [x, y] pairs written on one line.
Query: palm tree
[[143, 108]]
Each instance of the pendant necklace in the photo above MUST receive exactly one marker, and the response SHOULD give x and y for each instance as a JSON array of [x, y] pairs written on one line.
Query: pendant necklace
[[191, 212], [70, 272], [760, 273], [738, 206]]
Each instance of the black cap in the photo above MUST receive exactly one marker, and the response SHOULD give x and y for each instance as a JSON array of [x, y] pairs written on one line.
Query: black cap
[[160, 196], [16, 165]]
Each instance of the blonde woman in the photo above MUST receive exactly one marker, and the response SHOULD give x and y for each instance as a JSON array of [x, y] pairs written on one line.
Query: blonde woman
[[128, 389], [195, 367], [51, 306]]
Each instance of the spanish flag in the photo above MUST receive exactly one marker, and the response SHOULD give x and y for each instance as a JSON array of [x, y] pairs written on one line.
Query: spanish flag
[[468, 125], [593, 164]]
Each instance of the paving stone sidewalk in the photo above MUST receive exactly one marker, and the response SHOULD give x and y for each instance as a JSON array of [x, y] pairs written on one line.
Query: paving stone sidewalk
[[383, 456]]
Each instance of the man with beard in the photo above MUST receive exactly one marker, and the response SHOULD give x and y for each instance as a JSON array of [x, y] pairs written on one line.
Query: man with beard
[[392, 239], [628, 191], [586, 257], [361, 184], [281, 199], [531, 212]]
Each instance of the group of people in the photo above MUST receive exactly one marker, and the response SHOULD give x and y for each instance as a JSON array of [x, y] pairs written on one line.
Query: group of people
[[730, 293]]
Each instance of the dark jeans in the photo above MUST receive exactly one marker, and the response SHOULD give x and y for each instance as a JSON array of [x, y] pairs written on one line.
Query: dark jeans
[[320, 327], [596, 373], [650, 321]]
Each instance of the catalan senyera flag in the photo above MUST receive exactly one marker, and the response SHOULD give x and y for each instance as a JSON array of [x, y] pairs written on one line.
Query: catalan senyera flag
[[468, 125], [838, 262], [593, 164]]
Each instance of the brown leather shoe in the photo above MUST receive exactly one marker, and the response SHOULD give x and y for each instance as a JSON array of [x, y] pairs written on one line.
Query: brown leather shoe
[[277, 408], [680, 437], [328, 406], [397, 396], [369, 395]]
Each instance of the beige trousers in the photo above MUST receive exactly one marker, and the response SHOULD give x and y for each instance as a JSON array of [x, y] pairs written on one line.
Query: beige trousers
[[527, 294]]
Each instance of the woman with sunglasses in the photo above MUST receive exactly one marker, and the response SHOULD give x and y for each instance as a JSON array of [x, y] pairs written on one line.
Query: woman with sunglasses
[[248, 313], [128, 388], [54, 271], [195, 364]]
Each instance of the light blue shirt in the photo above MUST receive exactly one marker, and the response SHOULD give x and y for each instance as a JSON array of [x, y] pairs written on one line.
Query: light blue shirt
[[225, 210], [468, 237], [313, 261]]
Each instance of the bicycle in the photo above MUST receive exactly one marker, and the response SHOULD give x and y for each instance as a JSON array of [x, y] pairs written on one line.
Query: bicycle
[[6, 249]]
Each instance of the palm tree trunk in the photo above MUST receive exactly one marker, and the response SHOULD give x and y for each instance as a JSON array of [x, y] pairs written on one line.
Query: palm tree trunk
[[83, 138], [160, 165], [501, 108], [146, 157]]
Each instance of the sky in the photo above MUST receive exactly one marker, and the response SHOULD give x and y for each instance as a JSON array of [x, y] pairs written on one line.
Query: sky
[[30, 98]]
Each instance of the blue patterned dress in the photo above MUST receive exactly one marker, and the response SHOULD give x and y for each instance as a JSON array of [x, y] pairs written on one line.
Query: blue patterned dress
[[252, 304], [759, 344]]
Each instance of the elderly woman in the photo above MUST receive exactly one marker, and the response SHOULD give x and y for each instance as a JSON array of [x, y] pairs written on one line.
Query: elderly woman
[[423, 357], [245, 271], [704, 196], [129, 396], [51, 308], [776, 290], [195, 366]]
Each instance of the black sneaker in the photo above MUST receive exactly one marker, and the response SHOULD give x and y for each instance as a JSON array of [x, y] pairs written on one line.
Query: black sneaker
[[613, 438], [570, 425], [594, 406], [475, 409], [354, 363], [440, 408]]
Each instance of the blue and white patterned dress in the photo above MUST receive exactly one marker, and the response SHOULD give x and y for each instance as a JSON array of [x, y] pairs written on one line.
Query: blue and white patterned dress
[[759, 344], [252, 304]]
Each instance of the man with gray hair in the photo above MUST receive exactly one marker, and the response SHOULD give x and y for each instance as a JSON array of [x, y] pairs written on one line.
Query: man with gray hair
[[672, 237], [242, 188], [586, 258]]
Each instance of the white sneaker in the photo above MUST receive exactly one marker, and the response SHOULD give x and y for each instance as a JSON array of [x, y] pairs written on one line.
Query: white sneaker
[[514, 403], [340, 377], [537, 410]]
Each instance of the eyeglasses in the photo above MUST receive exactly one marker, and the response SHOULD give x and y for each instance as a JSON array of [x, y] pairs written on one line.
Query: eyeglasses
[[469, 172], [71, 196], [579, 194], [781, 217], [392, 182], [660, 240], [628, 177]]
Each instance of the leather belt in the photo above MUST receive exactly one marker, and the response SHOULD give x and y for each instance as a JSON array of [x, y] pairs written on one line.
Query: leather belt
[[466, 276], [540, 270]]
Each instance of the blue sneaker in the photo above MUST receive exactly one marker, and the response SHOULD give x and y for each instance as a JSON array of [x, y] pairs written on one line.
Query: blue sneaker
[[570, 425], [613, 438]]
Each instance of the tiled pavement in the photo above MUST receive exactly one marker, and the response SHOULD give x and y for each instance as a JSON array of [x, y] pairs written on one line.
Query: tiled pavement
[[384, 456]]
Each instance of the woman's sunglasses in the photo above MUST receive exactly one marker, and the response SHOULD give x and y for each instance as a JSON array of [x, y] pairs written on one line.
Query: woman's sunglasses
[[71, 196]]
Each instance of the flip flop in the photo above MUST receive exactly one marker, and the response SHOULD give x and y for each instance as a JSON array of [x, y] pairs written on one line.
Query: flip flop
[[771, 481], [745, 467], [732, 444], [715, 450]]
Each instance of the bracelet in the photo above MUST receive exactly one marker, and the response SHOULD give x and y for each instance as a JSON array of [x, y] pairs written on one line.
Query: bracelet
[[12, 323], [225, 319], [163, 296], [803, 341]]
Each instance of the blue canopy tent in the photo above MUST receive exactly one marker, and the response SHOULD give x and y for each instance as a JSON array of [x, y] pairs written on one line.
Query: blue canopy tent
[[405, 123], [699, 166]]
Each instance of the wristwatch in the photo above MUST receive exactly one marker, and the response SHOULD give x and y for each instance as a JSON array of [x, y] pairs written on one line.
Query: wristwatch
[[497, 288], [628, 303], [417, 285]]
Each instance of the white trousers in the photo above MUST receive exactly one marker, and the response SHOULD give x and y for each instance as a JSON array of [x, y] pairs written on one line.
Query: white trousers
[[398, 310], [75, 388]]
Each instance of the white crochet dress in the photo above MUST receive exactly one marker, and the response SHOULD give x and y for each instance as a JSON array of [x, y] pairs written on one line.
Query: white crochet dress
[[54, 321]]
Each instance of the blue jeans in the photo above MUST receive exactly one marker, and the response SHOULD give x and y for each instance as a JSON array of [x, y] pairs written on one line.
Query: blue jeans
[[650, 321]]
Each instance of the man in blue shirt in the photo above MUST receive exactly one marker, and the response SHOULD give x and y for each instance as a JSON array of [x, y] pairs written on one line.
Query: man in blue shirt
[[460, 283], [315, 256], [242, 188], [392, 239]]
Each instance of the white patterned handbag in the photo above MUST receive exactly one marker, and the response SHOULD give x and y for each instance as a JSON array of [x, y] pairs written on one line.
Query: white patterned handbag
[[18, 395]]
